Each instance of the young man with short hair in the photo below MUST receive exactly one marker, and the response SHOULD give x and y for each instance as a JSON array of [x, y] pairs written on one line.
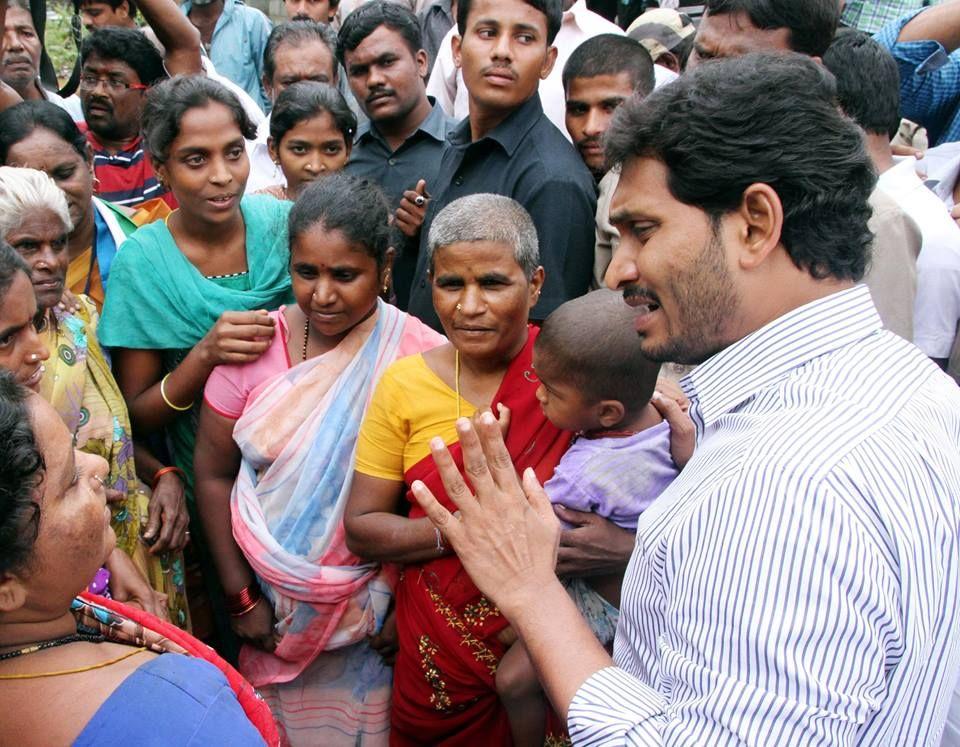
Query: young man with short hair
[[868, 90], [508, 146], [600, 75], [401, 145]]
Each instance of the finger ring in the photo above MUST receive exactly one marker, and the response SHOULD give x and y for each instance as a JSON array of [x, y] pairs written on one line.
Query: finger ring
[[419, 201]]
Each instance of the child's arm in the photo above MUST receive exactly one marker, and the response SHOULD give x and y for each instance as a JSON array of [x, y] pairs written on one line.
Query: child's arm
[[682, 431]]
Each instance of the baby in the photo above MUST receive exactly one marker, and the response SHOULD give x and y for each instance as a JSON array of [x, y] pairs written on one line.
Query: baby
[[593, 381]]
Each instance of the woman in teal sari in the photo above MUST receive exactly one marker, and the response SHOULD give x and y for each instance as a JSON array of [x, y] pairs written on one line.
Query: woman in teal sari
[[193, 292]]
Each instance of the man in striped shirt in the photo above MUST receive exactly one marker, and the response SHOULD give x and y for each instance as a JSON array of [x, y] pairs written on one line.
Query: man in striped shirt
[[799, 583]]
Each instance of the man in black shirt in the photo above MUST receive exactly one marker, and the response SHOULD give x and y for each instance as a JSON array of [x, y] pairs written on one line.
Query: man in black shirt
[[508, 146], [401, 146]]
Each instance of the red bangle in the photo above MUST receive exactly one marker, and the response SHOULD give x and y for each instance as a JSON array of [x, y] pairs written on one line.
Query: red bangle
[[166, 471], [243, 601]]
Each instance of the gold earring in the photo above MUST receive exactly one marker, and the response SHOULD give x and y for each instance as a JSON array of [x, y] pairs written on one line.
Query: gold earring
[[459, 307]]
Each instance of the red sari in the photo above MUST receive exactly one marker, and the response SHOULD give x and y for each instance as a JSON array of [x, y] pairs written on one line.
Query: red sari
[[443, 683]]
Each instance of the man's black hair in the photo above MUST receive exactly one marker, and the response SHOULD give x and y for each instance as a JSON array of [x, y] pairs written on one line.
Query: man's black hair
[[114, 4], [761, 118], [611, 54], [126, 45], [552, 9], [370, 16], [868, 81], [811, 23]]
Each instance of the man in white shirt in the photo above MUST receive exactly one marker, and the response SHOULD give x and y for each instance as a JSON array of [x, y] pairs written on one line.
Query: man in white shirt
[[799, 582], [579, 24], [855, 58]]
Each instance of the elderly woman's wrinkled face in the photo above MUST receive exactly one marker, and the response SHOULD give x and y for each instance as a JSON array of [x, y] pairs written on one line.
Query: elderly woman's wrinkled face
[[41, 239], [22, 350], [74, 536], [483, 298], [48, 152]]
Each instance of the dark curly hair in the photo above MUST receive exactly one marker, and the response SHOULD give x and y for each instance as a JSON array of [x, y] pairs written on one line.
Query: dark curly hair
[[168, 102], [761, 118], [126, 45], [811, 23], [854, 58], [21, 472], [552, 9], [354, 206], [370, 16]]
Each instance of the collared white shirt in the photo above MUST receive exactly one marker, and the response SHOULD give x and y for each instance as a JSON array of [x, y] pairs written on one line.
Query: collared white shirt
[[799, 582], [579, 24], [263, 171], [937, 308]]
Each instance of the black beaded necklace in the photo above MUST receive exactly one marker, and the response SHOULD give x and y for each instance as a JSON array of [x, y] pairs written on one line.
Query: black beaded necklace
[[84, 633]]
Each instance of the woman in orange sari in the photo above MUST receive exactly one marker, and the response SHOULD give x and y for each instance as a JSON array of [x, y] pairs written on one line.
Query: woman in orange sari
[[486, 278]]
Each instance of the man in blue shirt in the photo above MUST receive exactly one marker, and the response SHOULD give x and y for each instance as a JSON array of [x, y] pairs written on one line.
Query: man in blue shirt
[[508, 146], [234, 37], [400, 147], [924, 44]]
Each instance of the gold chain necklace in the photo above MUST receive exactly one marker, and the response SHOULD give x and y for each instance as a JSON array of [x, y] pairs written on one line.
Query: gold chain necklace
[[456, 377], [101, 665]]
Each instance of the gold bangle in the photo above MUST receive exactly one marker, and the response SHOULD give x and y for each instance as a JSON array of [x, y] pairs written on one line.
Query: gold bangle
[[170, 404]]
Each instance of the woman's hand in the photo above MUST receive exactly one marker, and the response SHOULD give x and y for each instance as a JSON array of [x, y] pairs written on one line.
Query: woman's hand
[[257, 626], [127, 585], [167, 518], [385, 642], [237, 337], [412, 210], [593, 547]]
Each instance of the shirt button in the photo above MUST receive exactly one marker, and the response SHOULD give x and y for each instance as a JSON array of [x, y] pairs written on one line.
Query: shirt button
[[458, 181], [392, 161]]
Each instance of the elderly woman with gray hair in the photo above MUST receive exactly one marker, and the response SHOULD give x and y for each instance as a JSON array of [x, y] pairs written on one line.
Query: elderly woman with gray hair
[[76, 379], [486, 276]]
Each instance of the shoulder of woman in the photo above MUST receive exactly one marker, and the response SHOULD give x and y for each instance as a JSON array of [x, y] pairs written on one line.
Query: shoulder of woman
[[418, 337], [265, 207]]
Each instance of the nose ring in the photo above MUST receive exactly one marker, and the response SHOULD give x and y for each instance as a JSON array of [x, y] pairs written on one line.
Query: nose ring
[[459, 307], [99, 480], [34, 357]]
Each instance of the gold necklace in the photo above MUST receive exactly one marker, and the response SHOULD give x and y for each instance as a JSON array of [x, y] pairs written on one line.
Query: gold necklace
[[456, 377], [101, 665]]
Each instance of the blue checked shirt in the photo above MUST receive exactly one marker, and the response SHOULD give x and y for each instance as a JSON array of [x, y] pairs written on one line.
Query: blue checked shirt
[[873, 15], [799, 582], [929, 82]]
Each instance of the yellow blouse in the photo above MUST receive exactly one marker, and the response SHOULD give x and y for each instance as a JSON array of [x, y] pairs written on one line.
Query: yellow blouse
[[410, 406]]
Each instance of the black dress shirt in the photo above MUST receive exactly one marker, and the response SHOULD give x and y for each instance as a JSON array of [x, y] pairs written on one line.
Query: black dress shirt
[[527, 158], [396, 171]]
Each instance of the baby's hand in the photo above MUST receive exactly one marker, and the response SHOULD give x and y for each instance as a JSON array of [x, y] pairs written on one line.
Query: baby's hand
[[503, 419], [682, 431]]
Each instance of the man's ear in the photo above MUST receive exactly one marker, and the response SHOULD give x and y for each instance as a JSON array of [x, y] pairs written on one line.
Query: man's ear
[[670, 61], [13, 594], [761, 215], [455, 46], [266, 86], [423, 63], [549, 62]]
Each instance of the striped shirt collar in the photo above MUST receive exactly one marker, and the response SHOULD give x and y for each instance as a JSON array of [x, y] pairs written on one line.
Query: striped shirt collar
[[738, 372]]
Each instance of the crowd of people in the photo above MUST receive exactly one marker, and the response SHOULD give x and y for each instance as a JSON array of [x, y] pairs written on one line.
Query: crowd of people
[[509, 372]]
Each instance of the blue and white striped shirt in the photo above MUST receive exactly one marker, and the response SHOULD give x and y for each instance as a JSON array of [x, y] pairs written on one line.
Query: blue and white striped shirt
[[798, 583]]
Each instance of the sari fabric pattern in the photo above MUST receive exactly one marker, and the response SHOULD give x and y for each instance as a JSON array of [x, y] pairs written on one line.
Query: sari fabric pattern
[[287, 513], [80, 386], [444, 689]]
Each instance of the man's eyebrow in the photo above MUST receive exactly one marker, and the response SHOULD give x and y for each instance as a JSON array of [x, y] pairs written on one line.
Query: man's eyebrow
[[11, 330], [495, 276]]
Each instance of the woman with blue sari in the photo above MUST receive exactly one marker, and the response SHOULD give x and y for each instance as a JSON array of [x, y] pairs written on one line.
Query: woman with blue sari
[[274, 465], [193, 291]]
